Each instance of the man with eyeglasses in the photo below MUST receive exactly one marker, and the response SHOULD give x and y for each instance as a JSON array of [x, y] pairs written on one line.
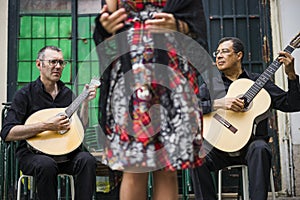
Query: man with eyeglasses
[[256, 154], [48, 91]]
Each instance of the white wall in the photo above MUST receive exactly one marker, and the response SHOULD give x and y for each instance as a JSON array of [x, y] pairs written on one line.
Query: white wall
[[290, 25], [285, 18], [3, 52]]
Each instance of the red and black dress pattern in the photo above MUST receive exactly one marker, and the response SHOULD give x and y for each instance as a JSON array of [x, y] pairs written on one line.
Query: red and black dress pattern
[[153, 118]]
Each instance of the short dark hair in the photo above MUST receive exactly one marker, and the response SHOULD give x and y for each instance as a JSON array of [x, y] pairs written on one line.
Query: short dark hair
[[41, 52], [237, 44]]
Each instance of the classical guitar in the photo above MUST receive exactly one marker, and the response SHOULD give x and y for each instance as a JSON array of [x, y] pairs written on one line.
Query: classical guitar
[[60, 142], [229, 131]]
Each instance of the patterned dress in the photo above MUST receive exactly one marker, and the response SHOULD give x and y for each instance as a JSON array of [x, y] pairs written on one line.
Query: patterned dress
[[153, 117]]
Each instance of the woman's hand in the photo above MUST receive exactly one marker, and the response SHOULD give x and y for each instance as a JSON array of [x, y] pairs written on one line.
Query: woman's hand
[[166, 21], [114, 21], [162, 21]]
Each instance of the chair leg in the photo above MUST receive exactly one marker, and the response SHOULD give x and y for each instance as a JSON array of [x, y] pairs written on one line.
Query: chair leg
[[184, 187], [19, 188], [72, 187], [188, 182], [20, 184], [272, 184], [245, 183], [72, 184], [150, 186], [220, 185]]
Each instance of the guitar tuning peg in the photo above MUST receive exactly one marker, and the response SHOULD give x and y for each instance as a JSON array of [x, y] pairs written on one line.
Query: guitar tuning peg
[[95, 82]]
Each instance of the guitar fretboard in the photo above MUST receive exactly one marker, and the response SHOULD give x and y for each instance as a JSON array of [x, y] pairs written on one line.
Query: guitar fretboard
[[76, 103], [263, 78]]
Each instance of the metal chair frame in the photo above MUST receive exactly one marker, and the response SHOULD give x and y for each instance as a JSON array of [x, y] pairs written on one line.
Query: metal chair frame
[[245, 182], [23, 176]]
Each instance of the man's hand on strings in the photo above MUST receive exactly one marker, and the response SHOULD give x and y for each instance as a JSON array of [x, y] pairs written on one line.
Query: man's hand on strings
[[288, 61]]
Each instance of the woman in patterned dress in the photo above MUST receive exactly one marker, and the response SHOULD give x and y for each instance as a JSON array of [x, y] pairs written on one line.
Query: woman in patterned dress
[[143, 136]]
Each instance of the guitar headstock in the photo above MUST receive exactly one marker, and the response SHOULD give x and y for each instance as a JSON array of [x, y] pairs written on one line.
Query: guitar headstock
[[95, 82], [296, 41]]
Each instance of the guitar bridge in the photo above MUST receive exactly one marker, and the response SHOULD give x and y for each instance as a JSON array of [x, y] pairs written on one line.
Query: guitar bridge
[[225, 123]]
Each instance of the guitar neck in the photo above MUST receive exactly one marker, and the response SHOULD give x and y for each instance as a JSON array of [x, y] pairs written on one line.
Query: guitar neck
[[76, 103], [264, 77]]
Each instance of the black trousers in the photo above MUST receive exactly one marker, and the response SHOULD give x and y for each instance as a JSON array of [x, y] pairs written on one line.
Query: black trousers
[[82, 165], [258, 158]]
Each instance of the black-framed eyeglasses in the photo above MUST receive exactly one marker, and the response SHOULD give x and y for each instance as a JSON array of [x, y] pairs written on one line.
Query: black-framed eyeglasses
[[222, 51], [53, 63]]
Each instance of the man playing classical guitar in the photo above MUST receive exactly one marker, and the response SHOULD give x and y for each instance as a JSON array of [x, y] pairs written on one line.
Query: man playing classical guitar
[[48, 91], [256, 153]]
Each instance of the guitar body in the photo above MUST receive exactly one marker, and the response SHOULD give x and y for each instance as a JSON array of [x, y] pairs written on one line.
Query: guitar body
[[235, 132], [230, 131], [51, 142]]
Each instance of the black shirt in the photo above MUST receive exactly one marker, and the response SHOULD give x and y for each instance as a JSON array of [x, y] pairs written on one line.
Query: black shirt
[[286, 101], [28, 100]]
